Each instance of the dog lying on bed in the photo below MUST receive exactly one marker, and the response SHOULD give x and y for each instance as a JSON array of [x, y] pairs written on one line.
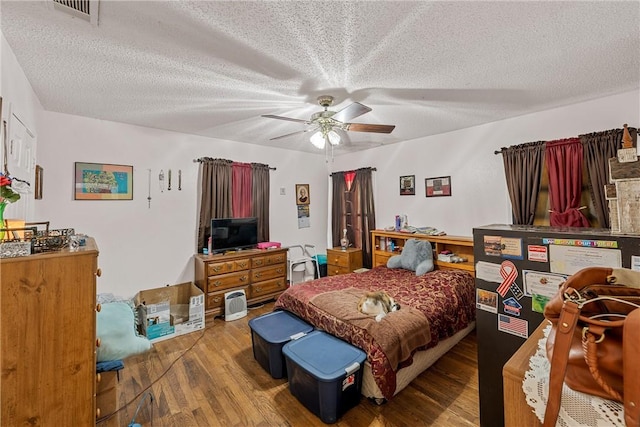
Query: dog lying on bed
[[378, 304]]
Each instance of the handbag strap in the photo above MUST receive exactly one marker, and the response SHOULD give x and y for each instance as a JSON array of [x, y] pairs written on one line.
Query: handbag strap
[[590, 350], [562, 344], [631, 369]]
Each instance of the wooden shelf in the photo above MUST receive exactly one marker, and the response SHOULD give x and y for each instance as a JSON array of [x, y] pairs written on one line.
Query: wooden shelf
[[459, 245]]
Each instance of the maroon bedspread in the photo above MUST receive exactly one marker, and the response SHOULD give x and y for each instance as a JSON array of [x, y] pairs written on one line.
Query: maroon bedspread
[[446, 297]]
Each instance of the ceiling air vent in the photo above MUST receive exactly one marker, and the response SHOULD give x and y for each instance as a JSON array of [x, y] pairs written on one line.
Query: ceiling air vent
[[83, 9]]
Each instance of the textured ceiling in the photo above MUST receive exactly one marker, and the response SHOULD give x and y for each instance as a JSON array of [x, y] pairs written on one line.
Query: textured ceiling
[[213, 68]]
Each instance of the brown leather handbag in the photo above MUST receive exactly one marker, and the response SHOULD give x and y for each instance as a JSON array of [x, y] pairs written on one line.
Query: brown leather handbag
[[594, 343]]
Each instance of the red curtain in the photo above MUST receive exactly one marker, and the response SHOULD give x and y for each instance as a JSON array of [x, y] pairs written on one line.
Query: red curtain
[[564, 163], [241, 187], [348, 179]]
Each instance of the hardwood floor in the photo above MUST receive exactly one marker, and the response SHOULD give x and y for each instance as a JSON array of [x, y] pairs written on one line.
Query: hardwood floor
[[210, 378]]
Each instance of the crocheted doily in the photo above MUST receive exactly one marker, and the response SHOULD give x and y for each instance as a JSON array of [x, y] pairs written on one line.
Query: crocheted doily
[[577, 409]]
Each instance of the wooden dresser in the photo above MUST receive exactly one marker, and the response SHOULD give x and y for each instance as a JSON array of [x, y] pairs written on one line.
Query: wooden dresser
[[262, 274], [48, 338], [343, 261]]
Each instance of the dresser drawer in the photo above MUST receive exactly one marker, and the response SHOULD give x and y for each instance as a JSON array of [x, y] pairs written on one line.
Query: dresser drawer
[[215, 268], [267, 287], [266, 273], [340, 259], [215, 300], [266, 260], [334, 270], [224, 281]]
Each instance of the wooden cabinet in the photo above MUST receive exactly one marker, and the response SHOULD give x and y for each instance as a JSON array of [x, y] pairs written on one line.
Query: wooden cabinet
[[343, 261], [262, 274], [517, 411], [48, 338], [389, 243]]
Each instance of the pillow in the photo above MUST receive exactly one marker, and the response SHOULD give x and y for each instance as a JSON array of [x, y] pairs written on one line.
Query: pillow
[[115, 325], [417, 255]]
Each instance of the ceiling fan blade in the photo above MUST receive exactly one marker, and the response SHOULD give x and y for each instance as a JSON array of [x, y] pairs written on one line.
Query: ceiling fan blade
[[293, 133], [364, 127], [351, 112], [271, 116]]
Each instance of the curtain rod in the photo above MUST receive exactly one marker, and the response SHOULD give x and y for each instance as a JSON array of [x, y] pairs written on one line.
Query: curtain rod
[[202, 159], [373, 169]]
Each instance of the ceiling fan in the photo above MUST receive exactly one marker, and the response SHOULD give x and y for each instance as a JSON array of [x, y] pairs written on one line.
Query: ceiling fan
[[323, 124]]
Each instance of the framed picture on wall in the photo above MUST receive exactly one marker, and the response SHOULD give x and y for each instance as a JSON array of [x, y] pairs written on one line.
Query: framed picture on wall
[[440, 186], [302, 194], [101, 181], [408, 185]]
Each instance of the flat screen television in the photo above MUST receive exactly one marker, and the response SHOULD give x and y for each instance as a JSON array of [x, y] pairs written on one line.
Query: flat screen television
[[233, 233]]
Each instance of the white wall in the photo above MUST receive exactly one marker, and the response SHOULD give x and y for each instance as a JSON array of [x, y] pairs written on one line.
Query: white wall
[[142, 247], [479, 192], [18, 98]]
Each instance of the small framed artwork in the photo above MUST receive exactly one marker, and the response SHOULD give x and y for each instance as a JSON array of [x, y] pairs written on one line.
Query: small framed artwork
[[408, 185], [38, 180], [100, 181], [440, 186], [302, 194]]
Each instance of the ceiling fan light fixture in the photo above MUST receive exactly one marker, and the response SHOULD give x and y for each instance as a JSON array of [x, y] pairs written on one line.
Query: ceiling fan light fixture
[[317, 139], [334, 138]]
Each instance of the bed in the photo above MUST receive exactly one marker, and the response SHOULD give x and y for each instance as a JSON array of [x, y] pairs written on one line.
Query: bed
[[437, 311]]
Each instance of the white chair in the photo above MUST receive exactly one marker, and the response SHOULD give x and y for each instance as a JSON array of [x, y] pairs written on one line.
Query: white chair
[[302, 258]]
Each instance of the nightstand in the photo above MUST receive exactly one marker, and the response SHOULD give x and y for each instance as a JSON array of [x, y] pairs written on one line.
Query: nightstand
[[343, 261]]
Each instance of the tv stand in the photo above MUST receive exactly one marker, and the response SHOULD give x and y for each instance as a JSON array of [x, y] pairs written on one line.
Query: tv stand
[[260, 273]]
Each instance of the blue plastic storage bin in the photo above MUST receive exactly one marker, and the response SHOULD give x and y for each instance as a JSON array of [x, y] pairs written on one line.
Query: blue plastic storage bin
[[269, 333], [325, 374]]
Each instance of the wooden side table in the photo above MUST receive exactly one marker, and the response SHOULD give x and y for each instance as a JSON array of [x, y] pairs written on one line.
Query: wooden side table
[[517, 411], [343, 261]]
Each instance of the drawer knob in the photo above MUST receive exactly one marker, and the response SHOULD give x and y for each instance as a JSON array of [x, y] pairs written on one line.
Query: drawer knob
[[99, 272], [97, 412], [258, 289], [217, 283], [98, 307], [243, 278], [258, 274], [280, 271], [217, 268], [98, 342], [259, 262], [98, 378], [217, 299]]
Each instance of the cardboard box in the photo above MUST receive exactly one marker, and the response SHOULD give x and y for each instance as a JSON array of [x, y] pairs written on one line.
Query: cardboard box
[[170, 311]]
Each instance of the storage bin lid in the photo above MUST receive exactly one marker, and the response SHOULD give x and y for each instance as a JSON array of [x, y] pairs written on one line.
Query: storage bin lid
[[321, 258], [324, 356], [279, 326]]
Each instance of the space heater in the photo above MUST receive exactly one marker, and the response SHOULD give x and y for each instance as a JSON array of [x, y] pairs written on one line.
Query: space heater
[[235, 305]]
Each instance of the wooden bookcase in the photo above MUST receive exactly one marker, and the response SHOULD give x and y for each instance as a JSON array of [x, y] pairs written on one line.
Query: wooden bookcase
[[389, 243]]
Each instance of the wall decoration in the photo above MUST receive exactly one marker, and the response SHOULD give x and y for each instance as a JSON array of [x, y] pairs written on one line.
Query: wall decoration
[[38, 180], [440, 186], [99, 181], [408, 185], [303, 216], [302, 194]]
